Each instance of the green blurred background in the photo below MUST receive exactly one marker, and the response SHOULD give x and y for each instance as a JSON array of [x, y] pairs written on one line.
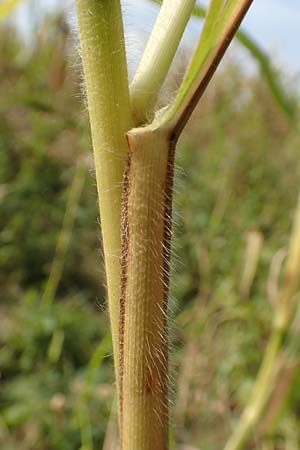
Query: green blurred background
[[236, 190]]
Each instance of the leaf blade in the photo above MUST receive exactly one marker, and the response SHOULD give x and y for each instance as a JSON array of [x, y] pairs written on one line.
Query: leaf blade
[[202, 66]]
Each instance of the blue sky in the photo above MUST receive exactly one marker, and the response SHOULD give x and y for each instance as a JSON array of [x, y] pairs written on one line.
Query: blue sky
[[275, 25]]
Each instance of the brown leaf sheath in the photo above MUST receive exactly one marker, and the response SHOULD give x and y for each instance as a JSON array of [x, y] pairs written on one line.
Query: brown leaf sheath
[[146, 236]]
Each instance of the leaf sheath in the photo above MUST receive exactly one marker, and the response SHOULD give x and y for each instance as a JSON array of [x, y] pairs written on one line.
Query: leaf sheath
[[145, 281]]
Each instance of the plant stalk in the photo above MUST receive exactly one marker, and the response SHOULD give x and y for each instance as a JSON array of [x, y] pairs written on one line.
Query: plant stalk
[[269, 369], [158, 56], [138, 299], [105, 70], [65, 235], [260, 395], [146, 235]]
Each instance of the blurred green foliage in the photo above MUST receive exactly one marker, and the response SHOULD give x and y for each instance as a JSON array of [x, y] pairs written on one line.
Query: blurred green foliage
[[238, 173]]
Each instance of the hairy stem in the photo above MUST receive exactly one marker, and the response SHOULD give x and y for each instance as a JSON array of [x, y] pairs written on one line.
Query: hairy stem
[[105, 70], [158, 56], [145, 266]]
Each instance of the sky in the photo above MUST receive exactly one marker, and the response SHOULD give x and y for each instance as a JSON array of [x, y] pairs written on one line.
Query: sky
[[274, 24]]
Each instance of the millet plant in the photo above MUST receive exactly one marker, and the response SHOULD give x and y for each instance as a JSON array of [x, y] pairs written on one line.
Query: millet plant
[[134, 145]]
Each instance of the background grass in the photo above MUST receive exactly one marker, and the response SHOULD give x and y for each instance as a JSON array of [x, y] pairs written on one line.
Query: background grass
[[237, 184]]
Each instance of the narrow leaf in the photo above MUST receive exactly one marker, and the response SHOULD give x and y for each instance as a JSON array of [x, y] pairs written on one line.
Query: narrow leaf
[[203, 65], [269, 73], [211, 17]]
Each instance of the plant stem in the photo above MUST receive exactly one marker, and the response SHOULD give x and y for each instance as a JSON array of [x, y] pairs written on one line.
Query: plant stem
[[142, 359], [266, 378], [254, 242], [280, 392], [260, 395], [65, 235], [158, 56], [105, 69], [145, 257]]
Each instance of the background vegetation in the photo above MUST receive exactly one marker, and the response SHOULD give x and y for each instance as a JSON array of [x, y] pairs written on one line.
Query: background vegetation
[[237, 185]]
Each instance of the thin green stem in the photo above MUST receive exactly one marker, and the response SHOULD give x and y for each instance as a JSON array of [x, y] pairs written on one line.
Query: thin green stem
[[105, 70], [158, 56], [271, 76], [291, 279], [64, 238], [82, 409], [260, 395], [85, 426], [266, 378]]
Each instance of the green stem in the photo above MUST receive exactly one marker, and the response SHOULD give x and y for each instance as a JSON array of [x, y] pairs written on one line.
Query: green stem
[[105, 70], [64, 238], [287, 105], [260, 395], [264, 383], [82, 407], [143, 326], [158, 56]]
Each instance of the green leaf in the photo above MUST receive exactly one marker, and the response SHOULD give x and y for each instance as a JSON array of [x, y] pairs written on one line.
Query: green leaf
[[271, 76], [211, 17], [268, 71], [212, 45]]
